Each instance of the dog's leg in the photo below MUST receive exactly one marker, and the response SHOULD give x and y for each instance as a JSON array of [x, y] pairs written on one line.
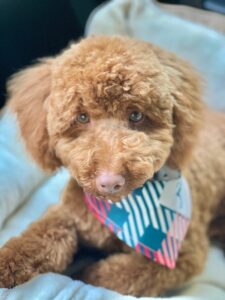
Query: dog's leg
[[50, 243], [47, 245], [135, 275]]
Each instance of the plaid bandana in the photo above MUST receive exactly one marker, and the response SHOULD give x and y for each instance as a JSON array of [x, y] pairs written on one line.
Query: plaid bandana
[[153, 219]]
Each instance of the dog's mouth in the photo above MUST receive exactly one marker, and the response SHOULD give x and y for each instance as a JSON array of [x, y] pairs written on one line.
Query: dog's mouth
[[106, 185], [106, 196], [164, 174], [116, 196], [113, 183]]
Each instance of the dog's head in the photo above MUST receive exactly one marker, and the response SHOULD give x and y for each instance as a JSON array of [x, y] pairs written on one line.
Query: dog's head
[[110, 109]]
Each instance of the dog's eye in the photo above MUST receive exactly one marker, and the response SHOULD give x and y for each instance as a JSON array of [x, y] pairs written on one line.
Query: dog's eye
[[83, 118], [136, 116]]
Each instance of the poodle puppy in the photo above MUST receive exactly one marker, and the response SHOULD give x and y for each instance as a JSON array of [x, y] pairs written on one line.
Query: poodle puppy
[[114, 107]]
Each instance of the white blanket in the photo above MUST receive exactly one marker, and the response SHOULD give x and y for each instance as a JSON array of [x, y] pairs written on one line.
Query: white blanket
[[26, 192]]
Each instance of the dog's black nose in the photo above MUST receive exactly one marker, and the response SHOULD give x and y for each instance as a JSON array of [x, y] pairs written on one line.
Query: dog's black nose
[[109, 183]]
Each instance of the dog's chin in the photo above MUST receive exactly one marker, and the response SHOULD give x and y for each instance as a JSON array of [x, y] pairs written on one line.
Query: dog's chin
[[113, 197]]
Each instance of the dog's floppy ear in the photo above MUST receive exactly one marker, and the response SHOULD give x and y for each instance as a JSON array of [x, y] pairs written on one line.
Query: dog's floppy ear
[[28, 91], [187, 109]]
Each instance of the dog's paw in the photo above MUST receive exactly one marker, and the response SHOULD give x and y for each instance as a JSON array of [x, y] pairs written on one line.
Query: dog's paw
[[14, 268], [112, 275], [126, 274]]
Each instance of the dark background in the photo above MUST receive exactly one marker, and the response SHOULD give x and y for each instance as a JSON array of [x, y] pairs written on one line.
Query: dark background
[[30, 29]]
